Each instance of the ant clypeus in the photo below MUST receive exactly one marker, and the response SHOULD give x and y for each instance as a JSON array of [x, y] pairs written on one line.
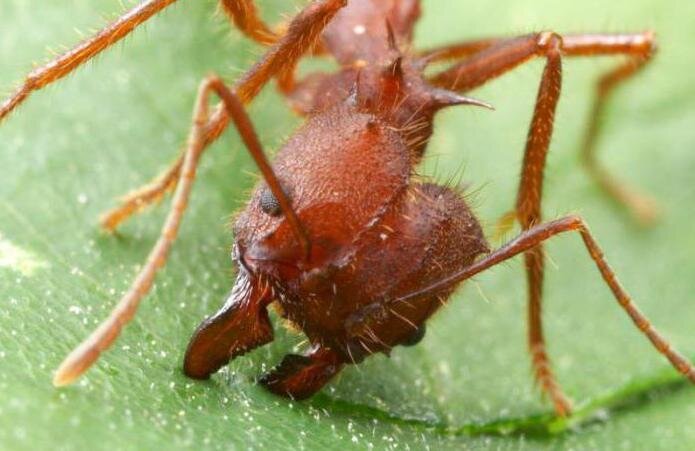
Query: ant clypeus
[[353, 249]]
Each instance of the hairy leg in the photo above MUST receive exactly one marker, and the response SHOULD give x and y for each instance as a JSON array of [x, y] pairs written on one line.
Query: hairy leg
[[83, 52], [280, 60], [528, 211], [144, 196], [244, 15], [486, 59], [494, 60], [82, 357], [534, 237], [457, 51], [642, 207]]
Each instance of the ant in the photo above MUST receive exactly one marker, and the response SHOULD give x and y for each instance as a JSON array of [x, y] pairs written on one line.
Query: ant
[[340, 235]]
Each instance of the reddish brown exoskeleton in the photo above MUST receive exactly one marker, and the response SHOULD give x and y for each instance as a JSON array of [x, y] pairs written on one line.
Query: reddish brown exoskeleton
[[356, 251]]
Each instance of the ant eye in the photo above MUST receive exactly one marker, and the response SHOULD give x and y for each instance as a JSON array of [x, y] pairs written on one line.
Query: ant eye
[[269, 203]]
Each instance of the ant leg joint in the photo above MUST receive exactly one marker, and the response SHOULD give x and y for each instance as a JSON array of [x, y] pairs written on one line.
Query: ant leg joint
[[648, 38], [549, 40]]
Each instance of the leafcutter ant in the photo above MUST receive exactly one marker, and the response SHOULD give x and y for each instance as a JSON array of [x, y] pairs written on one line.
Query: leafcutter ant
[[354, 250]]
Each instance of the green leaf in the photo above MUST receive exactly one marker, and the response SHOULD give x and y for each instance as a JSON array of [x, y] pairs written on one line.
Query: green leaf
[[76, 146]]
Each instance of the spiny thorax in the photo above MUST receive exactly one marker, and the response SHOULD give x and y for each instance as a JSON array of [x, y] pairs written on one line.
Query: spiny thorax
[[398, 94]]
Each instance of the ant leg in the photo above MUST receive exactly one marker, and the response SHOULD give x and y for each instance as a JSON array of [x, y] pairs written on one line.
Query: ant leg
[[78, 55], [642, 208], [528, 210], [302, 33], [487, 59], [534, 237], [139, 199], [501, 58], [300, 376], [82, 357], [245, 16], [458, 50], [529, 213], [301, 36]]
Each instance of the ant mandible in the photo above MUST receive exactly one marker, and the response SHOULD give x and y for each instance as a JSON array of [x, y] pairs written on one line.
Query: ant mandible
[[354, 250]]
